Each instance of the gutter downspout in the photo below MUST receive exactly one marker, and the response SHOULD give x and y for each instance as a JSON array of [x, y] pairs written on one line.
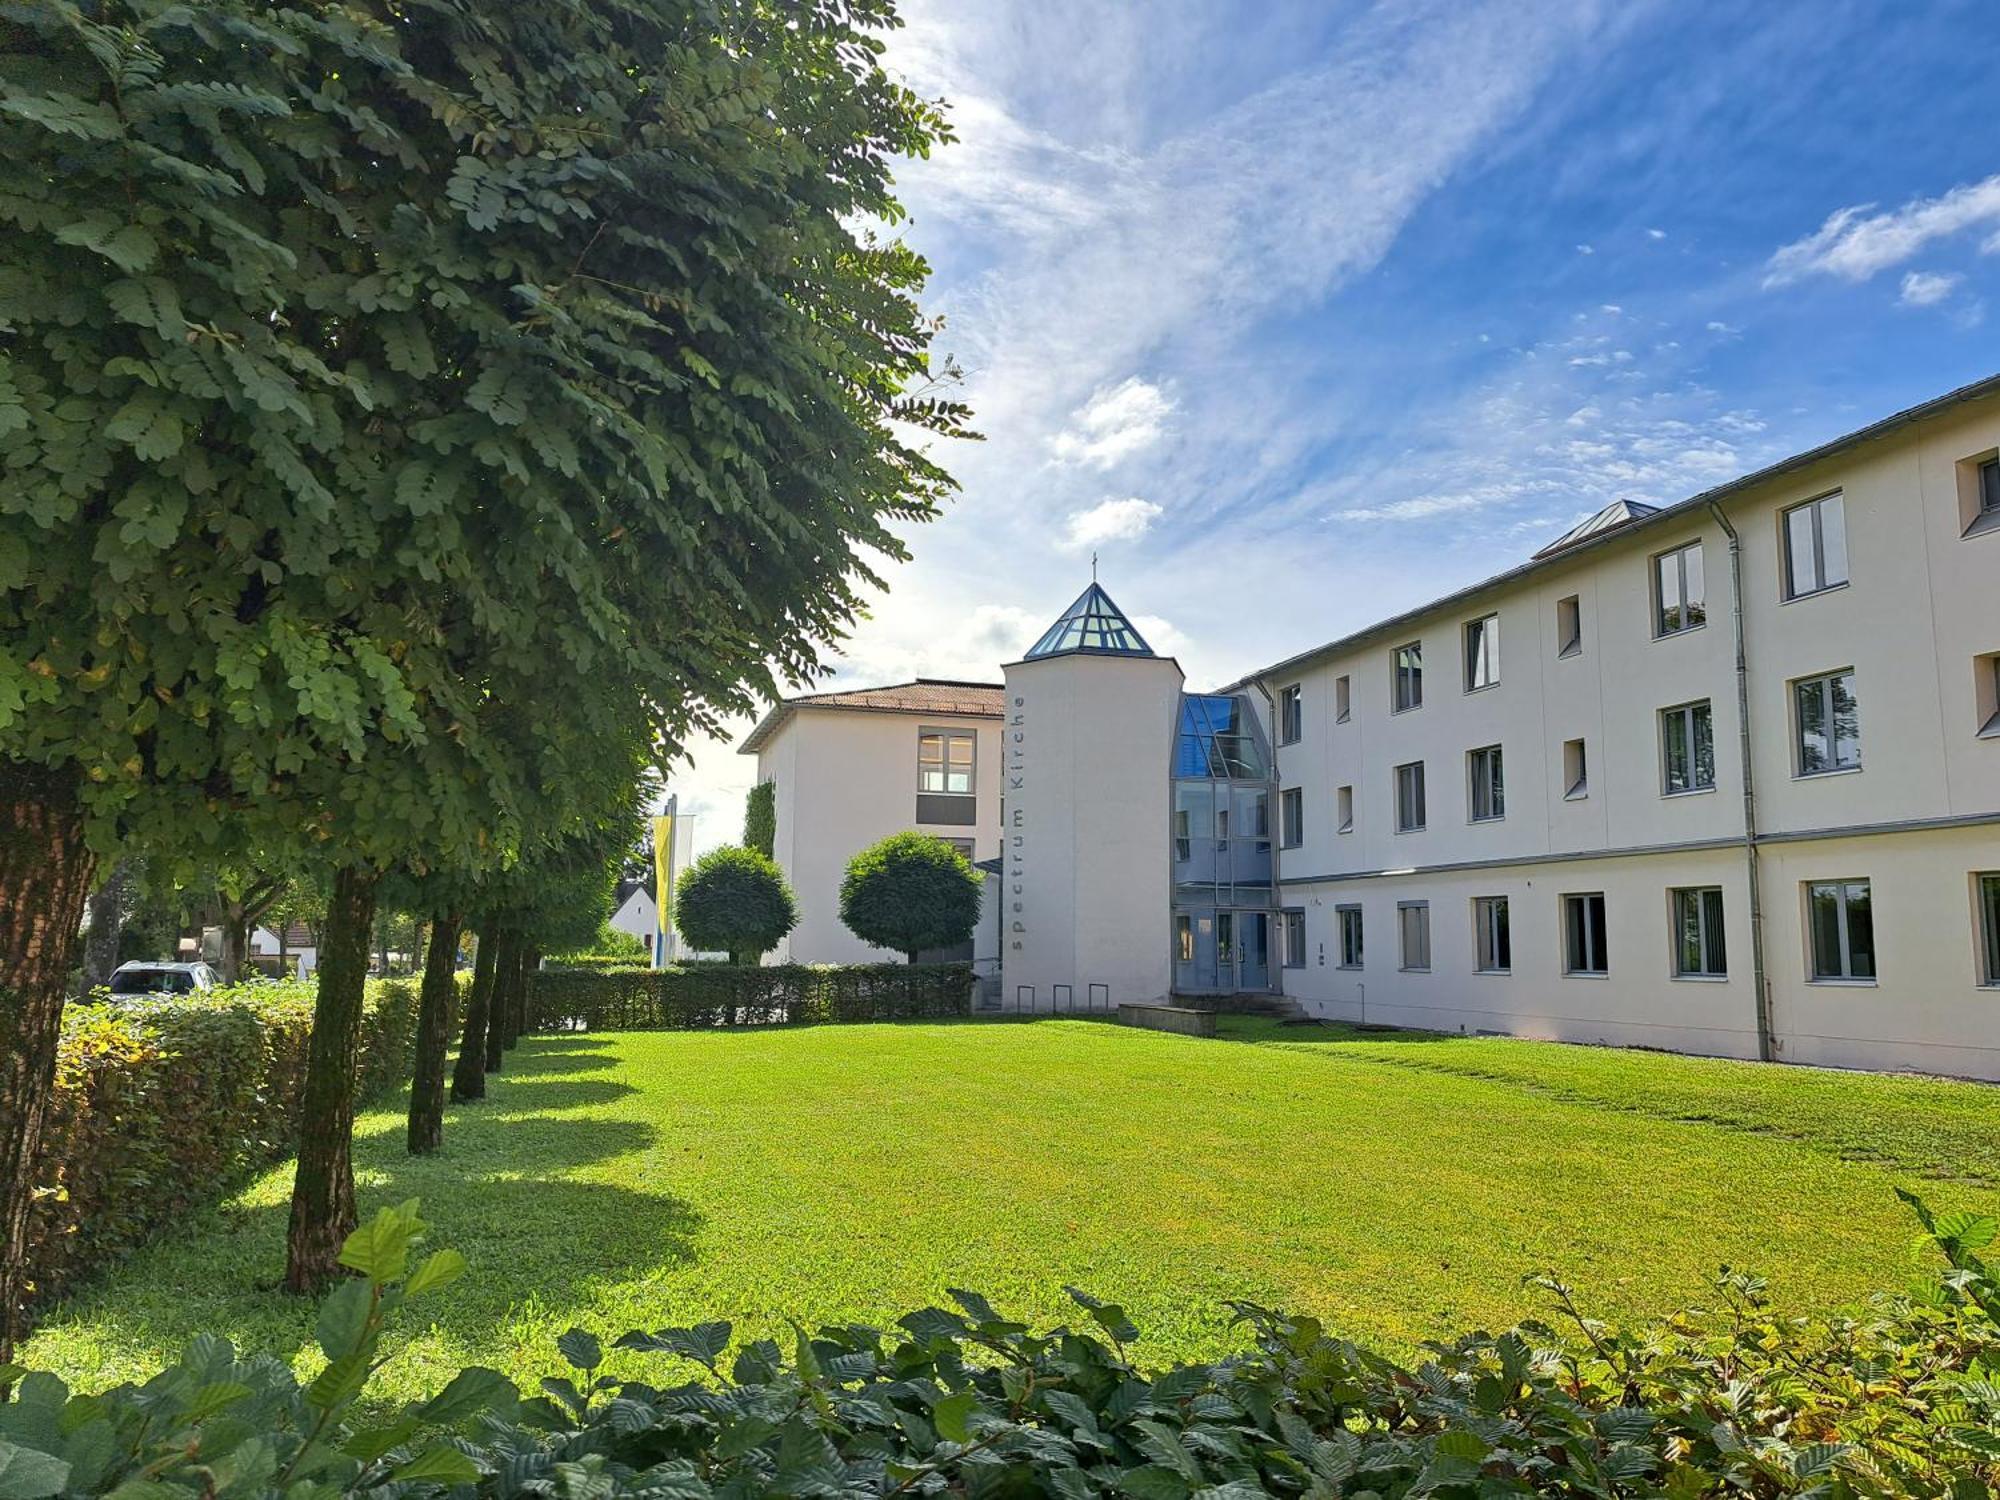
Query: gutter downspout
[[1766, 1042]]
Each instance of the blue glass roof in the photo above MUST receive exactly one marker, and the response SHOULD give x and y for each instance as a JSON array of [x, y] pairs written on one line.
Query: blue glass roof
[[1218, 739], [1095, 624]]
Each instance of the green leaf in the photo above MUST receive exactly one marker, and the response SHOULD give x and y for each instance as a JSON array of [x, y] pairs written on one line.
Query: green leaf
[[343, 1317], [149, 425], [581, 1349], [66, 114], [340, 1382], [426, 488], [149, 301], [471, 1391], [438, 1270], [380, 1249], [1457, 1442], [28, 1475], [953, 1414], [1153, 1483], [126, 246], [440, 1465]]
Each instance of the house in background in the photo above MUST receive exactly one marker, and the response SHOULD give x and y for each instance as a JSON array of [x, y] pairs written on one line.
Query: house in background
[[851, 767], [635, 911]]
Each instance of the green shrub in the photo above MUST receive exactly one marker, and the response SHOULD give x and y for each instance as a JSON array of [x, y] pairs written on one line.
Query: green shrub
[[734, 901], [908, 893], [1898, 1399], [760, 818], [702, 995], [160, 1104]]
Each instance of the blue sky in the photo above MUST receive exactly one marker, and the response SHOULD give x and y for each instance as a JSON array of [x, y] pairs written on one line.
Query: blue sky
[[1305, 311]]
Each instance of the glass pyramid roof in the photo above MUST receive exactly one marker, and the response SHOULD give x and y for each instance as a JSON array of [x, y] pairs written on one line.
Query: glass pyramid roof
[[1093, 623]]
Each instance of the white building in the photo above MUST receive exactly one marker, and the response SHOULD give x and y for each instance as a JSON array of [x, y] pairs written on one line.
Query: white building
[[635, 911], [1720, 777]]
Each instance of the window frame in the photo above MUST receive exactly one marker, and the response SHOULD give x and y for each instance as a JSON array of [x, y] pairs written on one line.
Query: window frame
[[1291, 817], [1576, 788], [1843, 932], [1408, 675], [1405, 910], [1291, 713], [1343, 808], [1986, 492], [945, 737], [1986, 692], [1348, 923], [1343, 698], [1486, 952], [1787, 559], [1481, 642], [1496, 785], [1688, 713], [1292, 922], [1986, 926], [1421, 798], [1825, 680], [1679, 554], [1569, 631], [1573, 903], [1711, 942]]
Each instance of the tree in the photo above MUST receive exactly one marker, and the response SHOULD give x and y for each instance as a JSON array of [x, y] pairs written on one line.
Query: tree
[[760, 818], [109, 905], [736, 901], [908, 893], [540, 361]]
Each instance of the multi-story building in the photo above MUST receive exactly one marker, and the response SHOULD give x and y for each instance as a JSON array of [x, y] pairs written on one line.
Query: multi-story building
[[1721, 776]]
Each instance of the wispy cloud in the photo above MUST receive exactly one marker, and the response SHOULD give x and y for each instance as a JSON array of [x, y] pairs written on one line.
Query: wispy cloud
[[1111, 521], [1115, 423], [1855, 243], [1924, 288]]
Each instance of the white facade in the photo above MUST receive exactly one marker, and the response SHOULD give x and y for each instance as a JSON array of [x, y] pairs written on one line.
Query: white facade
[[638, 914]]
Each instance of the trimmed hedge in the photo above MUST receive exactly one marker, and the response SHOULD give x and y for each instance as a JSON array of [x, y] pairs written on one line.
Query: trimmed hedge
[[160, 1104], [704, 995]]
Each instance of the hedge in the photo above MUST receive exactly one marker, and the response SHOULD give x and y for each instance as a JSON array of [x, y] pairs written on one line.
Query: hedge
[[160, 1104], [704, 995]]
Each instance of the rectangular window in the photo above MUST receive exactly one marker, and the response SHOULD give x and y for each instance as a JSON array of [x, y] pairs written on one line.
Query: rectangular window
[[1410, 797], [1829, 723], [1843, 929], [1989, 487], [1413, 923], [1584, 934], [1409, 661], [1291, 714], [944, 761], [1989, 928], [1348, 920], [1488, 790], [1815, 546], [1294, 930], [1679, 599], [1482, 653], [1698, 943], [1687, 748], [1342, 703], [1986, 694], [1344, 806], [1492, 948], [1569, 626], [1291, 817], [1576, 771]]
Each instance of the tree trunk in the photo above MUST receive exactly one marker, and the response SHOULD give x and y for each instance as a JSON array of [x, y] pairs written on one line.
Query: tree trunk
[[45, 870], [107, 921], [235, 941], [323, 1188], [506, 961], [434, 1036], [468, 1079], [517, 997]]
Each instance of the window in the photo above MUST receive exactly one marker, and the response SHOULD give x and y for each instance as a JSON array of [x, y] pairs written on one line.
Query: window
[[1409, 676], [1294, 932], [1569, 626], [1291, 817], [1829, 724], [962, 848], [1348, 920], [1986, 691], [1687, 748], [1342, 702], [1493, 951], [1488, 791], [1184, 937], [1843, 929], [1989, 487], [1291, 714], [1583, 934], [1815, 547], [1413, 925], [1989, 929], [1677, 591], [1482, 653], [1344, 805], [1697, 937], [944, 761], [1576, 771], [1410, 797]]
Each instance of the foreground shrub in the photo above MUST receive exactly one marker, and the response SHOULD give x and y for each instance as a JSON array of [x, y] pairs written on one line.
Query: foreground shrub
[[734, 901], [1900, 1399], [694, 996], [160, 1104]]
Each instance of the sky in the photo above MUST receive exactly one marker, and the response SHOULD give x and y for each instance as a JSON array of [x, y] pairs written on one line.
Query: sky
[[1299, 313]]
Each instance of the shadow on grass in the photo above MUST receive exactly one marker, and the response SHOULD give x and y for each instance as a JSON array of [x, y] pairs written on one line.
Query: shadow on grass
[[1267, 1029], [527, 1096]]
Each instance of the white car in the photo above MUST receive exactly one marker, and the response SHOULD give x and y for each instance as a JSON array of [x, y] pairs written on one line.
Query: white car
[[135, 979]]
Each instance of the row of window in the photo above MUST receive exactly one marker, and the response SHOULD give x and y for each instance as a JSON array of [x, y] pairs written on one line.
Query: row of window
[[1839, 921]]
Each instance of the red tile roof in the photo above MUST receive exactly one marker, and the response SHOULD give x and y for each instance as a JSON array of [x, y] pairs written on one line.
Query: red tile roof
[[927, 695]]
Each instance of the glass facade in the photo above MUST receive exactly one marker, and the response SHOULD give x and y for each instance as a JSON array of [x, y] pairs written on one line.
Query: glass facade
[[1223, 797]]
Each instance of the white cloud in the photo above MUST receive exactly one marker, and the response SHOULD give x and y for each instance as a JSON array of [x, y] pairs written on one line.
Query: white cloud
[[1115, 423], [1854, 244], [1586, 249], [1111, 521], [1416, 508], [1923, 288], [1656, 234]]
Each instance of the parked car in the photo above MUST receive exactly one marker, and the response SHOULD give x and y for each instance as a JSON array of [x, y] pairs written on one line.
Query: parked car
[[138, 978]]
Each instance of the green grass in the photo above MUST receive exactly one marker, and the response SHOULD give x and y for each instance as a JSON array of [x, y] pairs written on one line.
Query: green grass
[[1398, 1187]]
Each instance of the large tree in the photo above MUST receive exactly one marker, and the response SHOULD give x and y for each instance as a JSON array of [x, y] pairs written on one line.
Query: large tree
[[371, 370], [735, 901], [909, 892]]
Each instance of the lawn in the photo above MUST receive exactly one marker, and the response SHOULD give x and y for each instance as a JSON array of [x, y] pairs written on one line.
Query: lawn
[[1398, 1187]]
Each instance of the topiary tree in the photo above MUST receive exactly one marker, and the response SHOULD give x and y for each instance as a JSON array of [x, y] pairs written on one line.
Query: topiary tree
[[760, 818], [910, 892], [737, 901]]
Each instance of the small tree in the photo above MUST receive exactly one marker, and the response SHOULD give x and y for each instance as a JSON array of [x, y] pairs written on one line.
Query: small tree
[[760, 818], [910, 892], [735, 900]]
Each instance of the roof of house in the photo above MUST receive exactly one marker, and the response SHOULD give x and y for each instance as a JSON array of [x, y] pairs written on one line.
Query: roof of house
[[1093, 624], [627, 889], [927, 695], [1605, 527]]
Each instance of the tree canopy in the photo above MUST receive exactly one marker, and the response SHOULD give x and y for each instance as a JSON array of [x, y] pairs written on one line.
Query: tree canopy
[[734, 901], [910, 892]]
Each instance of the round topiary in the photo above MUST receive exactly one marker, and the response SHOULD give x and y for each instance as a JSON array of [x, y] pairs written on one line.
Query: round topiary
[[734, 901], [908, 893]]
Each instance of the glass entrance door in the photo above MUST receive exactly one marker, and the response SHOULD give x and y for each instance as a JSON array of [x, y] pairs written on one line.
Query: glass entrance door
[[1253, 950], [1222, 951]]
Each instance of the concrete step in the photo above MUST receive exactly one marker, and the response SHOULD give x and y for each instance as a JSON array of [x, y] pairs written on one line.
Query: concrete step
[[1281, 1007]]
